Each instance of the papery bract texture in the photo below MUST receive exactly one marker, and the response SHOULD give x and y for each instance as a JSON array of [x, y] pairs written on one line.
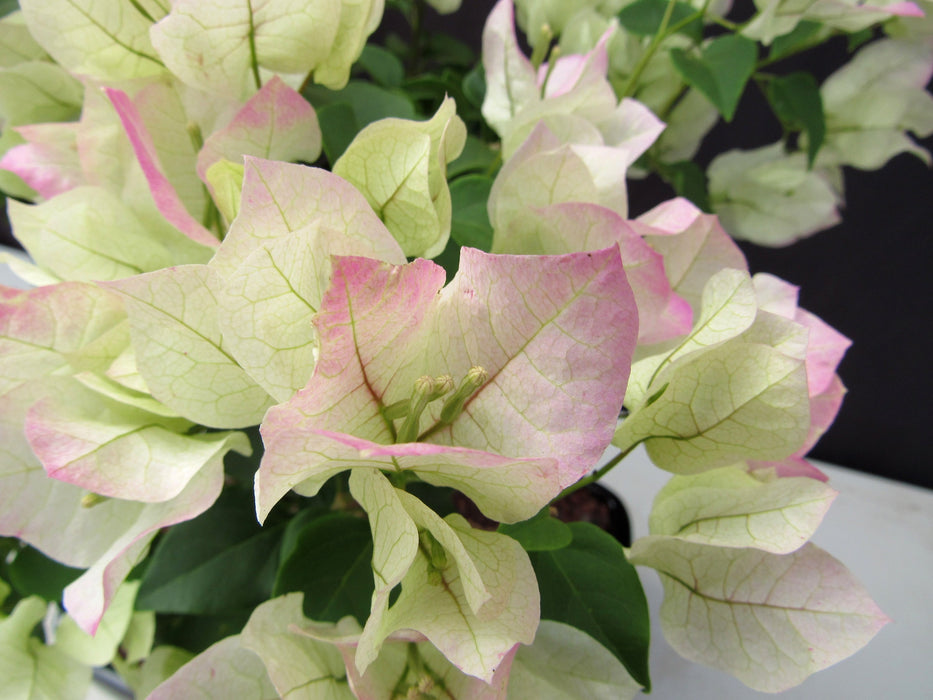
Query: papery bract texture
[[556, 364], [483, 597], [728, 508], [298, 666], [570, 227], [226, 46], [400, 167], [565, 664], [104, 40], [394, 670], [769, 197], [872, 101], [224, 670], [276, 123], [179, 345], [29, 668], [771, 620], [274, 266]]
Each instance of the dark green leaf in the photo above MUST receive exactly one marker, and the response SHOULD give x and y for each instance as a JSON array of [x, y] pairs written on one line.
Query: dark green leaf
[[796, 101], [437, 498], [432, 88], [331, 563], [368, 101], [643, 18], [476, 157], [448, 51], [241, 469], [590, 585], [802, 36], [474, 86], [858, 38], [542, 533], [32, 573], [450, 258], [8, 6], [721, 71], [383, 66], [338, 129], [470, 220], [197, 632], [220, 561], [688, 180]]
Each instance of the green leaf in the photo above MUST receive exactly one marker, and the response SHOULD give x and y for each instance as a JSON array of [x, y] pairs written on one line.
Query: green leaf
[[220, 561], [8, 6], [856, 39], [643, 18], [338, 128], [474, 86], [591, 586], [32, 573], [330, 564], [476, 156], [383, 66], [721, 71], [195, 633], [688, 180], [448, 51], [368, 101], [796, 101], [542, 533], [794, 41], [470, 221]]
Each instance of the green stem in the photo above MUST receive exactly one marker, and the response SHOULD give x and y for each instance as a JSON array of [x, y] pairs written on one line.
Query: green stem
[[656, 40], [417, 37], [596, 475], [253, 58]]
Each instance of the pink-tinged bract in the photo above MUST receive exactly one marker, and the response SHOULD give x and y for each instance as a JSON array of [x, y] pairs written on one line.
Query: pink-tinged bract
[[554, 334]]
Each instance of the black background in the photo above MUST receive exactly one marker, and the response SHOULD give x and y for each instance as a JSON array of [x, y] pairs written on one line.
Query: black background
[[869, 277]]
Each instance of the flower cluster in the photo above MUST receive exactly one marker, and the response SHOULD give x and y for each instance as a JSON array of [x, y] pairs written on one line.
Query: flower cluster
[[234, 316]]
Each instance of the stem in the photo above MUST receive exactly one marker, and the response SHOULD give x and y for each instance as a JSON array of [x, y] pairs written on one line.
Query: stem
[[253, 58], [596, 475], [656, 40], [417, 36]]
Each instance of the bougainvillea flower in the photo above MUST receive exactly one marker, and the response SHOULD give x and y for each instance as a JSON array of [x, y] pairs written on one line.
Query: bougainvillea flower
[[400, 166], [573, 96], [215, 342], [770, 197], [778, 17], [872, 101], [228, 46], [127, 468], [540, 377], [566, 228]]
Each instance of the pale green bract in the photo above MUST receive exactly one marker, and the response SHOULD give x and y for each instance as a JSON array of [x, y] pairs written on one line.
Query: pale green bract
[[226, 46], [872, 102], [769, 619], [225, 670], [770, 197], [105, 40], [484, 597], [566, 664], [729, 508], [400, 167], [195, 280], [29, 668]]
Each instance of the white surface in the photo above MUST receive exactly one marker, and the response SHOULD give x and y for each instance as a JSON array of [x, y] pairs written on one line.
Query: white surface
[[882, 530]]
